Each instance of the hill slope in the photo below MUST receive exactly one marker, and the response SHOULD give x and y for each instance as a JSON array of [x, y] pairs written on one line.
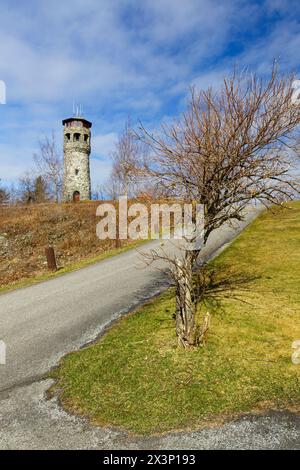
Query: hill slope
[[25, 231]]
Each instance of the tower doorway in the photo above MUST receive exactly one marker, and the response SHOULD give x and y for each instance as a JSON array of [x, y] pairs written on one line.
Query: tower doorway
[[76, 196]]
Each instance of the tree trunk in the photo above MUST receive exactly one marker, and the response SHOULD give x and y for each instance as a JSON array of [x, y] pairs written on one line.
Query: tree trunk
[[185, 305]]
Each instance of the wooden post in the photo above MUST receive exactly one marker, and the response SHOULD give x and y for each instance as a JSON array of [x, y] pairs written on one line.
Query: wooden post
[[118, 241], [51, 261]]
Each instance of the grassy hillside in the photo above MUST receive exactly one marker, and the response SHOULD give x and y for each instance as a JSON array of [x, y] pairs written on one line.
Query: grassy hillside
[[26, 230], [136, 376]]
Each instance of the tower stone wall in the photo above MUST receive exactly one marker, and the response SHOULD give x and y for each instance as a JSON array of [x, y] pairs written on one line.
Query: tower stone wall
[[77, 149]]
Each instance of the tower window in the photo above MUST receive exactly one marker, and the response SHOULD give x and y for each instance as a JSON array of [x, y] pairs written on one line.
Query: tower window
[[68, 136], [76, 137], [86, 137], [76, 171]]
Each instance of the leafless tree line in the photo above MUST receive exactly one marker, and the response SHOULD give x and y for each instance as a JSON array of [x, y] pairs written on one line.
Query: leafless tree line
[[43, 183], [129, 154]]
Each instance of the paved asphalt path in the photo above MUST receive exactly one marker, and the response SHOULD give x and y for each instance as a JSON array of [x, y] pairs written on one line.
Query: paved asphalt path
[[41, 323]]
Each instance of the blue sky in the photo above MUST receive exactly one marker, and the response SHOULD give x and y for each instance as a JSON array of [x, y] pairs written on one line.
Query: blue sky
[[125, 57]]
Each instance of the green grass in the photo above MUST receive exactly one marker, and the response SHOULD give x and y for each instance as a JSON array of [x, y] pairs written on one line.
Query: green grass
[[137, 378], [72, 267]]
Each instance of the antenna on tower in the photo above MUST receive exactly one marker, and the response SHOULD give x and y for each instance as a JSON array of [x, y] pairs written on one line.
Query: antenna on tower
[[77, 109]]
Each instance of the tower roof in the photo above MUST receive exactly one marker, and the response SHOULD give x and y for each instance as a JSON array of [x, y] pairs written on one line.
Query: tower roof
[[72, 119]]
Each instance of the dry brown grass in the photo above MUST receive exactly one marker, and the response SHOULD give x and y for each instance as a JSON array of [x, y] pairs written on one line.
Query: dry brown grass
[[26, 230]]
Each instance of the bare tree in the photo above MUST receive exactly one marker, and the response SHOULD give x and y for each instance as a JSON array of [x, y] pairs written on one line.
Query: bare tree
[[100, 192], [13, 194], [26, 188], [49, 165], [126, 156], [113, 187], [4, 195], [33, 189], [229, 148]]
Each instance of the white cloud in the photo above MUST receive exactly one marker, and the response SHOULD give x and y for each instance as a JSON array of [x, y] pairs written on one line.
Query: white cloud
[[103, 145], [81, 48], [14, 161], [124, 57], [100, 171]]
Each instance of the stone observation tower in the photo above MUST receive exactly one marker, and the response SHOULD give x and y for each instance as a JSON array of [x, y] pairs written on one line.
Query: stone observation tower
[[77, 149]]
